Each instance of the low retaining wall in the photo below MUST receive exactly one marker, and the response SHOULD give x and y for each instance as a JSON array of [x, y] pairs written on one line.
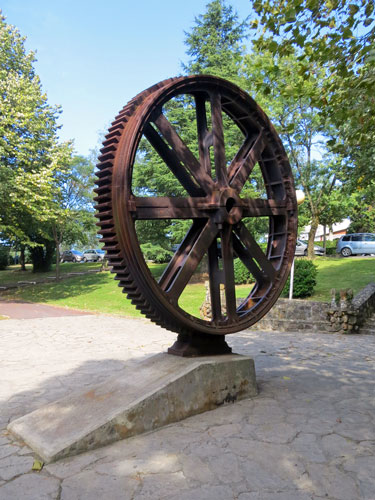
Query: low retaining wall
[[347, 314], [344, 314], [295, 315], [285, 316]]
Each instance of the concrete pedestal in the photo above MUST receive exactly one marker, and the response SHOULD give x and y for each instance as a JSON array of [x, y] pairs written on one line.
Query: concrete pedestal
[[160, 390]]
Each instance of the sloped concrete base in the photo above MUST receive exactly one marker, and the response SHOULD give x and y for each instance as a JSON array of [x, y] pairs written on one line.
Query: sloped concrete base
[[160, 390]]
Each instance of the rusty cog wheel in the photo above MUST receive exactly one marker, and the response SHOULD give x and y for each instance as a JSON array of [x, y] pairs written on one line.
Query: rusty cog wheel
[[215, 202]]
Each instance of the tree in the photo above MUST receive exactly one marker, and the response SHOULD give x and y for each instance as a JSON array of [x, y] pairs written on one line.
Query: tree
[[71, 212], [339, 36], [45, 192], [289, 100], [214, 43], [362, 215], [336, 207], [27, 139]]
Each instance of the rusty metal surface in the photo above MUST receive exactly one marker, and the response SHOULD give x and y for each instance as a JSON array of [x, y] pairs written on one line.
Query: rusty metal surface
[[214, 203]]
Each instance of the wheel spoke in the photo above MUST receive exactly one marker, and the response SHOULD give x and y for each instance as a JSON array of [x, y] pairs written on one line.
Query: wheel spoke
[[259, 207], [215, 280], [183, 153], [205, 139], [218, 140], [164, 207], [247, 260], [185, 261], [252, 255], [229, 283], [172, 161], [245, 160]]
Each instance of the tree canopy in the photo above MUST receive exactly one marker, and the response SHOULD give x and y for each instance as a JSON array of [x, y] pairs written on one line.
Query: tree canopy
[[42, 185], [339, 35], [27, 136], [214, 42]]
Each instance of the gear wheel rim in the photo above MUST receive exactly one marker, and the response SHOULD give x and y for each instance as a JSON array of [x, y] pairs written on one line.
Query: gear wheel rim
[[114, 186]]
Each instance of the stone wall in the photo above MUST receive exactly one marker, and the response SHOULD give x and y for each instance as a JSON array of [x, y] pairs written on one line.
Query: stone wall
[[295, 315], [347, 314], [344, 314]]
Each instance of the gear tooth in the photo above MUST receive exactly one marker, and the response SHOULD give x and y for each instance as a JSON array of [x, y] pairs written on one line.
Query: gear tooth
[[106, 156], [104, 170], [104, 212], [121, 266], [102, 191]]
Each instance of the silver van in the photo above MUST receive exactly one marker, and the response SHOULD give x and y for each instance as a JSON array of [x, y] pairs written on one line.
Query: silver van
[[356, 243]]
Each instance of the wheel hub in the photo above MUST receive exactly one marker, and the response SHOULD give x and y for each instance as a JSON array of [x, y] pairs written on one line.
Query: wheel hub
[[227, 206]]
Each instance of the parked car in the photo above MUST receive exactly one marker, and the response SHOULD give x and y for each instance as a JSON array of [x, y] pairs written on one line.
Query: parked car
[[71, 256], [301, 248], [93, 255], [356, 243]]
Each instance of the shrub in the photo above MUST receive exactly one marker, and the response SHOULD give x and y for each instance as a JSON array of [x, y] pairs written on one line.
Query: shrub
[[156, 253], [305, 272], [331, 250], [241, 274], [4, 257]]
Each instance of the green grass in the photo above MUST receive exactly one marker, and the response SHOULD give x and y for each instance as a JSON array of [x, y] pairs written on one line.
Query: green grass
[[99, 292], [13, 274], [352, 272], [92, 292]]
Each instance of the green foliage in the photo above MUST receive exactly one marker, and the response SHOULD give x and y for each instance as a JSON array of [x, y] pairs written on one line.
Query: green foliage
[[155, 253], [339, 37], [4, 257], [305, 276], [214, 43], [330, 247], [331, 251], [27, 138], [42, 256], [362, 215], [241, 274], [45, 192], [290, 101]]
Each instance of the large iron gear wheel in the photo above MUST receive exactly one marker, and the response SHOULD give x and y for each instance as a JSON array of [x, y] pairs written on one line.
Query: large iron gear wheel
[[214, 203]]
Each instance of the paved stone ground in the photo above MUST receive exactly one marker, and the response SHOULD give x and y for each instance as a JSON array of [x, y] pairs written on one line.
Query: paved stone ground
[[27, 310], [310, 434]]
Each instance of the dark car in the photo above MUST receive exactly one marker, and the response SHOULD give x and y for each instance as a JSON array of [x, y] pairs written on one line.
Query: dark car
[[356, 243], [72, 256]]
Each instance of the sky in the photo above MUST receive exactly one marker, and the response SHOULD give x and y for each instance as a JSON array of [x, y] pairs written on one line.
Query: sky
[[94, 56]]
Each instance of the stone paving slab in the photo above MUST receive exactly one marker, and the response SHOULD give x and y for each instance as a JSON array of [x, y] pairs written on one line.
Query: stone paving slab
[[309, 434]]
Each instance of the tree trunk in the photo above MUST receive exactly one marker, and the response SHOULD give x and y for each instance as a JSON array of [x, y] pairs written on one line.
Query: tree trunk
[[57, 240], [42, 257], [22, 258], [312, 233], [57, 261], [324, 239]]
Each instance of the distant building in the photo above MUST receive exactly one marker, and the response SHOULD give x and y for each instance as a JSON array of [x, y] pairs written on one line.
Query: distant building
[[332, 233]]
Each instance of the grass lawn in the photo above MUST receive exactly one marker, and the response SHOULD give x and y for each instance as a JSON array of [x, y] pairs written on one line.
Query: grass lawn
[[99, 292], [13, 274], [340, 273]]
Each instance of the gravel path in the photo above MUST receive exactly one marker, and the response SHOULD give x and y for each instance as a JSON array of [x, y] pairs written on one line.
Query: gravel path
[[310, 433]]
